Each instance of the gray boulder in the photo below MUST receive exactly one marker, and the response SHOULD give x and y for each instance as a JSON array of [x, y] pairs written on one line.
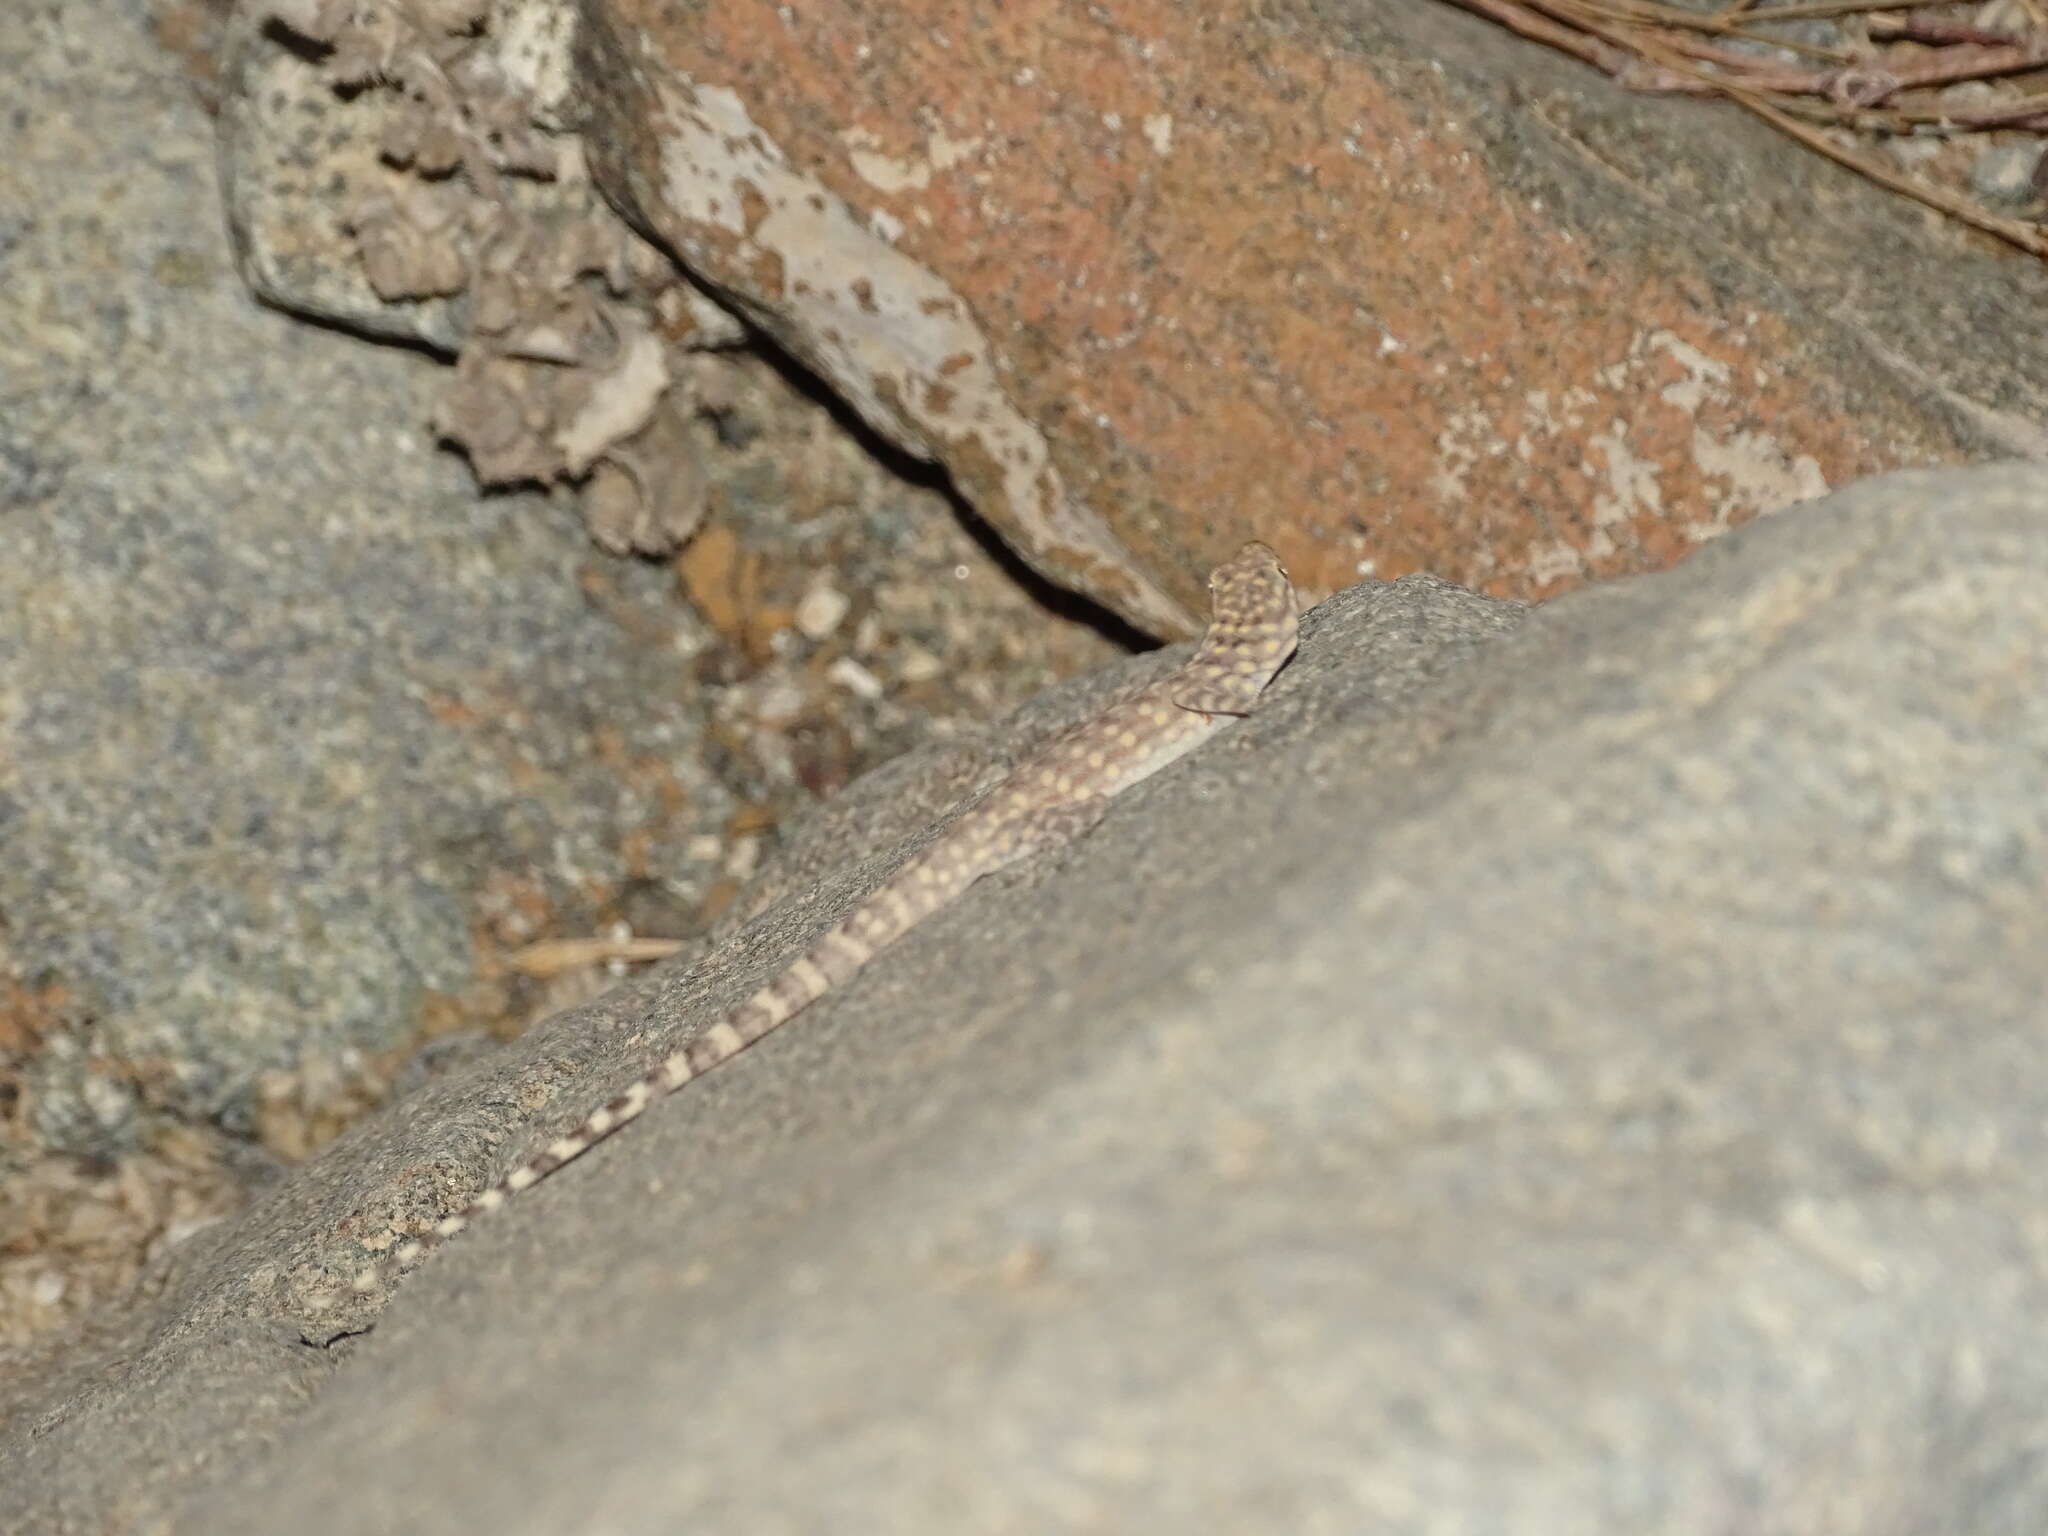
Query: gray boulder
[[1572, 1070]]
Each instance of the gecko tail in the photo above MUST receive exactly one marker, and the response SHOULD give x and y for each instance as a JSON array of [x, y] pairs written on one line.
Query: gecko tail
[[596, 1126], [787, 995]]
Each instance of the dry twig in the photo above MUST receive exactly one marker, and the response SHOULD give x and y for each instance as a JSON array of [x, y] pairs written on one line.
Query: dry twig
[[1647, 45]]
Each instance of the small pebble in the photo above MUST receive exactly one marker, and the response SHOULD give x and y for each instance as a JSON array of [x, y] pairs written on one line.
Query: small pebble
[[2004, 174], [819, 611], [855, 678], [778, 702], [917, 665]]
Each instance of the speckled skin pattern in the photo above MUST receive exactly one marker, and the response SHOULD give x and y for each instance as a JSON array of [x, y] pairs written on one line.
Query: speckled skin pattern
[[1052, 799]]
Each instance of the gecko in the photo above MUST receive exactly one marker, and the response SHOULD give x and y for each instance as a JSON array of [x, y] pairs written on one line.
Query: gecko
[[1057, 795]]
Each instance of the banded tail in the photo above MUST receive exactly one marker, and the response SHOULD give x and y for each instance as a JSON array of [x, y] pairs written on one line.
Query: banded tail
[[925, 883]]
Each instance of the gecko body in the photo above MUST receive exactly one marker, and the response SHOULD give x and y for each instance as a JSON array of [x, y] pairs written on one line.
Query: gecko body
[[1055, 796]]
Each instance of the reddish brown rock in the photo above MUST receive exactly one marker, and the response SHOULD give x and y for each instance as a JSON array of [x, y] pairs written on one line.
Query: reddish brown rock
[[1380, 288]]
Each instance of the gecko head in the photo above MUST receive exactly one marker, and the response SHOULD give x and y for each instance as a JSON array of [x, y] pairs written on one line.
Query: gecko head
[[1252, 563], [1251, 593], [1250, 635]]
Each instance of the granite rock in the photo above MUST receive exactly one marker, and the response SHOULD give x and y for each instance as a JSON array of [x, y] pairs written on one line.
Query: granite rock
[[1570, 1070]]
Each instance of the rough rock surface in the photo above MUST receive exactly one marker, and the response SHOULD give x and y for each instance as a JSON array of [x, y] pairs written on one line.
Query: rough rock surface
[[1371, 280], [282, 700], [1571, 1070], [300, 740]]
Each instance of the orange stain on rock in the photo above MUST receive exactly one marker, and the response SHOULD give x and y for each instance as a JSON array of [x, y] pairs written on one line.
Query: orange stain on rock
[[1245, 290]]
